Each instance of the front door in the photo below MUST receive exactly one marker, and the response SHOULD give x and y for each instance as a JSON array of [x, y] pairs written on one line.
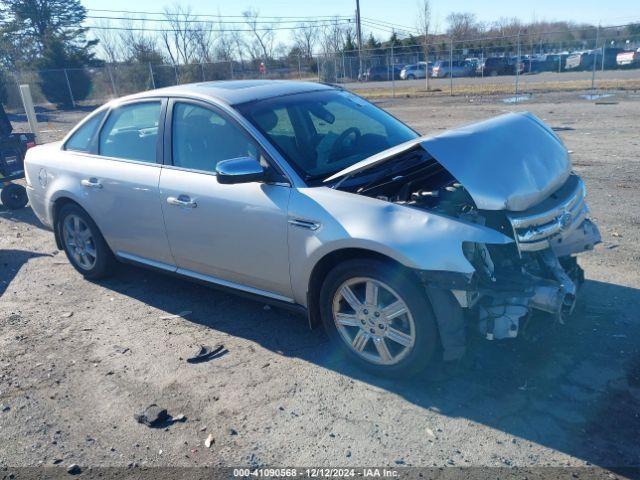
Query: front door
[[234, 235]]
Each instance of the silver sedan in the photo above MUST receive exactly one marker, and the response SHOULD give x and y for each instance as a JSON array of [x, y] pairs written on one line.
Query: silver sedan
[[312, 198]]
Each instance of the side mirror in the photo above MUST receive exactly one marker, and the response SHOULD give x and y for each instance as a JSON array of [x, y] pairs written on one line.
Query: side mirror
[[240, 170]]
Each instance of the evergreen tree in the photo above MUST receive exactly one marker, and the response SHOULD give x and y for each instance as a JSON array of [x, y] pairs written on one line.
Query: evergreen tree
[[48, 34]]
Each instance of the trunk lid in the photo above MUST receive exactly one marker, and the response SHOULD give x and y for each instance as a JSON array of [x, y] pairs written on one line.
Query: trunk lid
[[510, 162]]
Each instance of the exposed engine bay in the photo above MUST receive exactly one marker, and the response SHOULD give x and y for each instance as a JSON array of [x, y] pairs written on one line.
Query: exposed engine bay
[[538, 272]]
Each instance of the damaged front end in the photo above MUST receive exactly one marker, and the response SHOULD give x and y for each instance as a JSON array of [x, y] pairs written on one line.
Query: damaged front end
[[511, 174]]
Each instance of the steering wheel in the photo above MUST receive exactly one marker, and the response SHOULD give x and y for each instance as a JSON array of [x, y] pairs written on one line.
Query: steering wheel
[[338, 145]]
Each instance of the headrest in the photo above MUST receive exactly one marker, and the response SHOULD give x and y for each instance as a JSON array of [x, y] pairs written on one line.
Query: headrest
[[266, 119]]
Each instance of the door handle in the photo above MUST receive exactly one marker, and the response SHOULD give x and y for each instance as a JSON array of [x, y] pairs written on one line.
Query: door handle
[[303, 223], [182, 201], [91, 183]]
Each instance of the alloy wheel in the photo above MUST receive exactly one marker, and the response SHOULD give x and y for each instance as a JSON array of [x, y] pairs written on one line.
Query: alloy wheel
[[373, 320], [79, 242]]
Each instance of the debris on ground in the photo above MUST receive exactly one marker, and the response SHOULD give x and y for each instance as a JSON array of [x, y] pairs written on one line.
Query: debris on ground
[[74, 469], [207, 353], [209, 441], [66, 314], [157, 417]]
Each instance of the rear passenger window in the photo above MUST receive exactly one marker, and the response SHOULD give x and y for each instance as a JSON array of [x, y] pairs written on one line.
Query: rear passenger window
[[131, 132], [81, 140]]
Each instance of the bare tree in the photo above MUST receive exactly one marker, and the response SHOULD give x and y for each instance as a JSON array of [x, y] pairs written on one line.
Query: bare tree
[[225, 43], [332, 36], [179, 39], [203, 42], [137, 45], [424, 29], [463, 26], [109, 43], [240, 44], [305, 38], [263, 34]]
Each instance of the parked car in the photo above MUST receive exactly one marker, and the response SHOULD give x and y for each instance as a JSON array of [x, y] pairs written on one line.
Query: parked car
[[381, 73], [551, 62], [457, 68], [418, 70], [629, 58], [584, 60], [314, 199], [493, 66]]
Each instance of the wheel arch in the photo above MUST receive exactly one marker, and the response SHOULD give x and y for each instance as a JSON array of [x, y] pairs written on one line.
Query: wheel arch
[[57, 205], [328, 262], [447, 312]]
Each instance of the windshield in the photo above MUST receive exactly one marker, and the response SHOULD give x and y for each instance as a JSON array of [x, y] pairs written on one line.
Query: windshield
[[321, 133]]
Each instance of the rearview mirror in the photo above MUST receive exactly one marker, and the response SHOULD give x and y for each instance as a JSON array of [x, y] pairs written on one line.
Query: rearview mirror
[[240, 170]]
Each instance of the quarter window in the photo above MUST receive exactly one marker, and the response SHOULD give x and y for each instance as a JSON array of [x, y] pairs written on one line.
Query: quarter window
[[81, 140], [202, 138], [131, 132]]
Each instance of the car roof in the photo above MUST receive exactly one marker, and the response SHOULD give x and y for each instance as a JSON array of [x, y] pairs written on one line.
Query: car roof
[[234, 92]]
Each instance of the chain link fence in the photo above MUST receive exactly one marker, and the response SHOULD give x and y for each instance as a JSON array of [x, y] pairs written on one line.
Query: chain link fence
[[516, 65]]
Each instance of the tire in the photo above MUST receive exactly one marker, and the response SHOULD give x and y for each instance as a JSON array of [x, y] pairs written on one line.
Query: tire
[[14, 196], [411, 77], [71, 225], [493, 73], [404, 358]]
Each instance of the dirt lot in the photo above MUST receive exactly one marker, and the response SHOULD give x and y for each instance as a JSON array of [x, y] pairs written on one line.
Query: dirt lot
[[78, 359]]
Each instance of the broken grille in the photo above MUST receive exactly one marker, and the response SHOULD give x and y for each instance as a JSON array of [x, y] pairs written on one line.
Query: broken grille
[[552, 219]]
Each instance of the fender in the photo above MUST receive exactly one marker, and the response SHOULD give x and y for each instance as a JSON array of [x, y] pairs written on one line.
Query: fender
[[415, 238]]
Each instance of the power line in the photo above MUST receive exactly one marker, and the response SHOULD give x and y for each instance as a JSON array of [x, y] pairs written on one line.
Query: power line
[[395, 26], [186, 19], [297, 27], [300, 18]]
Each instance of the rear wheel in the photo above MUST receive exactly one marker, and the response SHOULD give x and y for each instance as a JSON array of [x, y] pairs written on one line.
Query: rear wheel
[[379, 317], [14, 196], [83, 243]]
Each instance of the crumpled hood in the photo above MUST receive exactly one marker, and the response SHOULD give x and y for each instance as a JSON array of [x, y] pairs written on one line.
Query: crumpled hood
[[508, 162]]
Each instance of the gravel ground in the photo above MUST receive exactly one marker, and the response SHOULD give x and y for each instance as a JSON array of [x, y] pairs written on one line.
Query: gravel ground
[[79, 359]]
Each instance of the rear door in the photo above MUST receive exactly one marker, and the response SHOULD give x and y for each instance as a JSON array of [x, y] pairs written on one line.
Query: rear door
[[118, 174], [234, 235]]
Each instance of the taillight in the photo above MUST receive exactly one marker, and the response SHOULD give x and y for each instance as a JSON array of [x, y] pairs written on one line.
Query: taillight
[[30, 145]]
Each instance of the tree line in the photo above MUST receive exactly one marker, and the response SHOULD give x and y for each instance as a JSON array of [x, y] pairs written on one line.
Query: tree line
[[49, 35]]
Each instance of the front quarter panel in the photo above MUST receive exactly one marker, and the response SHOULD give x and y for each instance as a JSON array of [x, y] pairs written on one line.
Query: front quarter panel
[[415, 238]]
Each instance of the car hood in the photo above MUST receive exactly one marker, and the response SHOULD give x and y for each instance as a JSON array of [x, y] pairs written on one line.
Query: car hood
[[509, 162]]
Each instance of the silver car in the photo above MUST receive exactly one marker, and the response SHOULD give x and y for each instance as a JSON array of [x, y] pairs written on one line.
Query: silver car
[[312, 198]]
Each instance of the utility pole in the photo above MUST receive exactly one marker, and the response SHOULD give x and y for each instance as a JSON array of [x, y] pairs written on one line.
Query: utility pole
[[359, 37]]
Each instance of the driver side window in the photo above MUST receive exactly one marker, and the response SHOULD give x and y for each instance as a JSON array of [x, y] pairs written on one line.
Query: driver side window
[[201, 138]]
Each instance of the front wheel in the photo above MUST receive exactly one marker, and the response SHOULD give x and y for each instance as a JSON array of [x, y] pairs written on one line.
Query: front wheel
[[379, 317], [83, 243]]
